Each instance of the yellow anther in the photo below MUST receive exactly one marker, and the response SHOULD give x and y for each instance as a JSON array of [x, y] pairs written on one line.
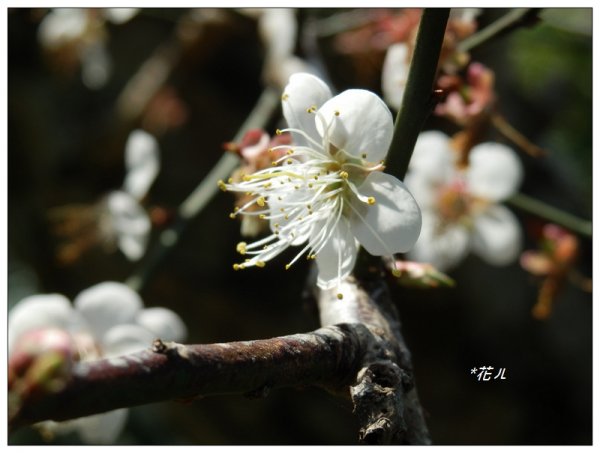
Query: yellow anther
[[340, 296], [230, 181], [246, 178], [276, 225], [278, 132], [344, 174], [309, 207], [310, 185], [316, 177], [285, 96], [236, 209], [397, 273], [336, 113], [222, 185], [236, 267], [289, 161], [260, 264], [290, 151], [311, 109], [364, 155], [287, 266], [273, 164], [262, 216], [261, 201], [287, 217], [313, 257], [241, 248], [371, 200], [232, 216]]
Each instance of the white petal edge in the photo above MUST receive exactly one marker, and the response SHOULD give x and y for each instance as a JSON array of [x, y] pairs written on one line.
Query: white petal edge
[[163, 323], [37, 312], [443, 248], [126, 339], [339, 252], [497, 236], [106, 305], [394, 74], [393, 223], [129, 223], [495, 172], [302, 92], [358, 122], [142, 162], [433, 158]]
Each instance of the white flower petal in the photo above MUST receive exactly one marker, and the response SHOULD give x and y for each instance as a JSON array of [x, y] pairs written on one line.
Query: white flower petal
[[37, 312], [142, 162], [106, 305], [336, 260], [303, 91], [423, 190], [358, 122], [163, 323], [394, 74], [497, 237], [393, 223], [126, 339], [433, 158], [62, 25], [119, 16], [494, 171], [130, 223], [102, 428], [444, 247], [277, 28]]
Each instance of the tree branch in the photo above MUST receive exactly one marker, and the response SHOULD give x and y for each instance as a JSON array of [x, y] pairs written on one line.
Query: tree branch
[[329, 357], [384, 393]]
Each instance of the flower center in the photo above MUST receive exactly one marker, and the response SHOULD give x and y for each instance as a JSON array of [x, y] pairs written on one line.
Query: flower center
[[454, 203]]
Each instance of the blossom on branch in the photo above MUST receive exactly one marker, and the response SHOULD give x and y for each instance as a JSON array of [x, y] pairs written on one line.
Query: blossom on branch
[[461, 210], [46, 332], [328, 191]]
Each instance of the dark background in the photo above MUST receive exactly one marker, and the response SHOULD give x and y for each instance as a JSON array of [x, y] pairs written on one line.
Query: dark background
[[65, 146]]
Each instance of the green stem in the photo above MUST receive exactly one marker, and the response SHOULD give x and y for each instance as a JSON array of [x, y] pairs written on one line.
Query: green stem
[[204, 192], [555, 215], [507, 22], [417, 101]]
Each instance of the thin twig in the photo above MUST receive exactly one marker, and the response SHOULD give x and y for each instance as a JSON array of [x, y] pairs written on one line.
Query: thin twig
[[511, 20], [204, 192], [417, 102], [555, 215]]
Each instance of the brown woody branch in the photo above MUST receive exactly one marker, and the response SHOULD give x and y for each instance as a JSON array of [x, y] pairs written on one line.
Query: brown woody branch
[[328, 357]]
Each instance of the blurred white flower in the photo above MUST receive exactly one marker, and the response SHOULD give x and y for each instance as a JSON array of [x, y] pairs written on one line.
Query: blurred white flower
[[394, 74], [461, 210], [329, 191], [106, 320], [126, 221], [82, 31]]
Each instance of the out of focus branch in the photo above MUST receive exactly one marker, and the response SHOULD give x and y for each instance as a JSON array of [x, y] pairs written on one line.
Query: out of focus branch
[[203, 193], [555, 215], [328, 357], [511, 20]]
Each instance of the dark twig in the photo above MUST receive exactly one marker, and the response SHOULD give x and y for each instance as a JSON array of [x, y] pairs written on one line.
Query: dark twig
[[418, 100]]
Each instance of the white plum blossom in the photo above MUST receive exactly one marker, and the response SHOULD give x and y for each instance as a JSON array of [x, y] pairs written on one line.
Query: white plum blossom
[[104, 321], [329, 192], [460, 206], [126, 222]]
